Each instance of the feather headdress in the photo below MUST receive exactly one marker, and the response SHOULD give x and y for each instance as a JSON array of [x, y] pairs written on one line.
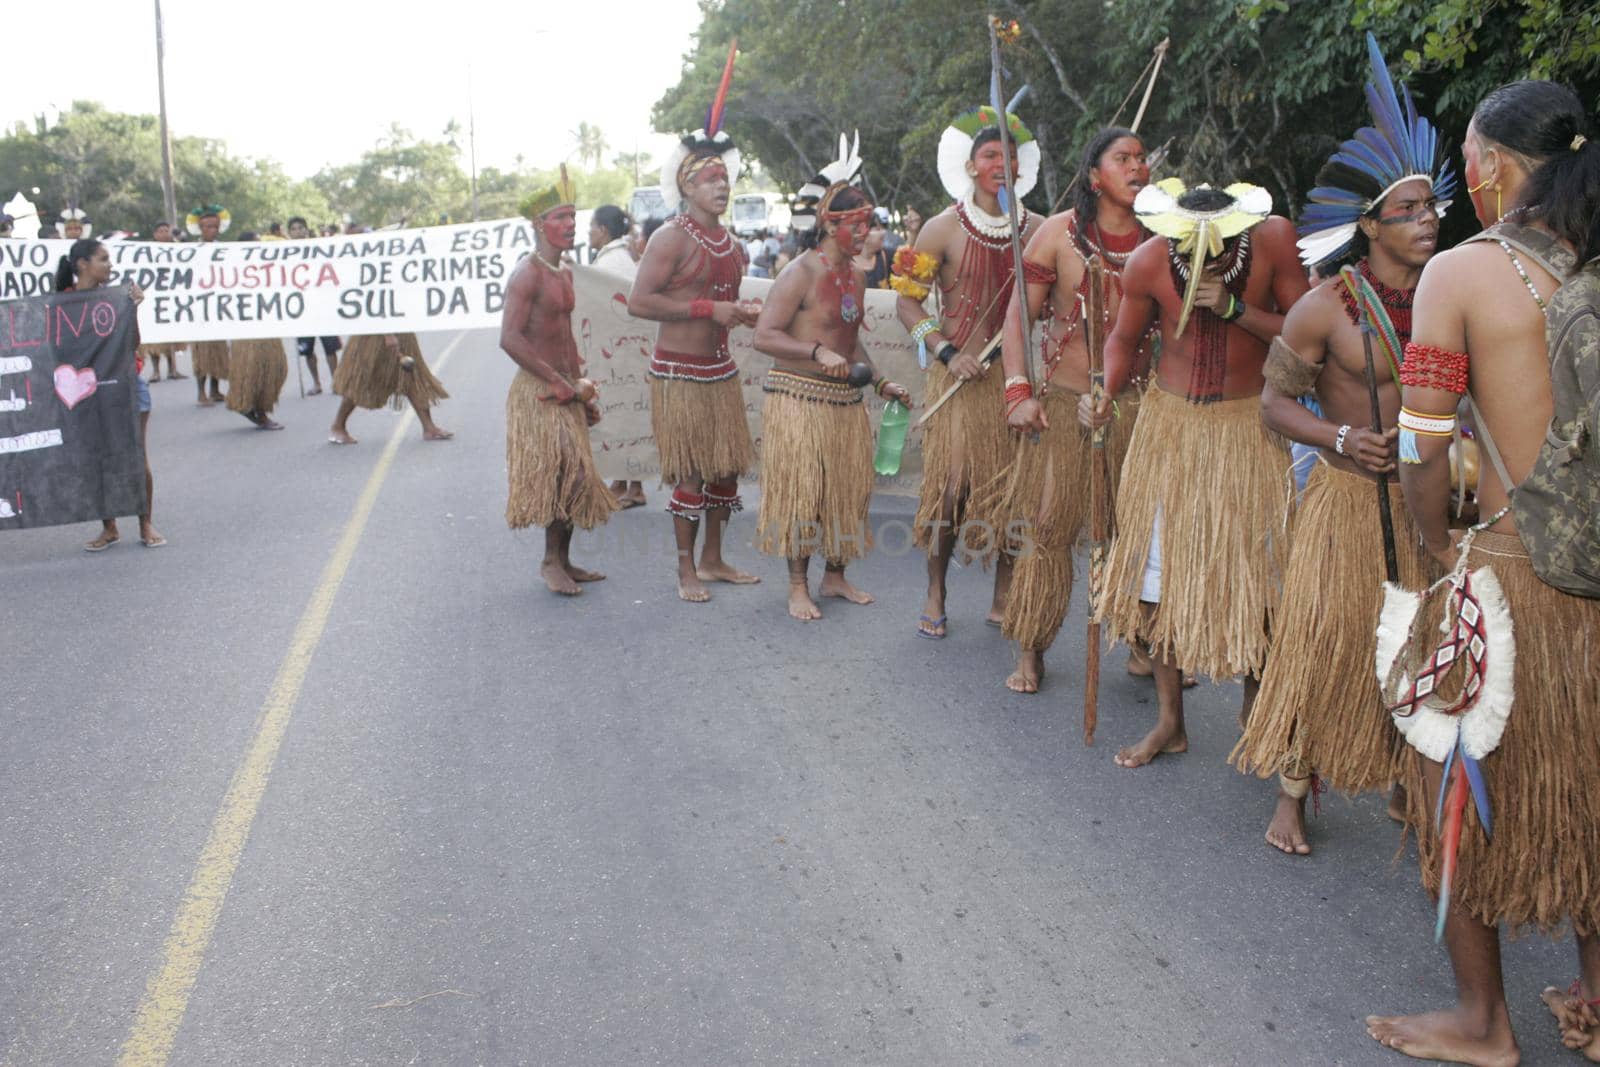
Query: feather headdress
[[564, 193], [191, 221], [1400, 146], [812, 201], [955, 150], [710, 140], [1199, 234]]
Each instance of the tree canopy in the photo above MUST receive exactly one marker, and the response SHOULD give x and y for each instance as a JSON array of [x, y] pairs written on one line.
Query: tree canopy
[[1251, 90]]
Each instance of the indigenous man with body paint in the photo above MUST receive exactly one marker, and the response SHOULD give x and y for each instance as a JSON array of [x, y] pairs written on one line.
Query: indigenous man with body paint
[[688, 281], [549, 463], [209, 359], [966, 250], [1506, 808], [1202, 507], [1047, 488], [816, 460], [1320, 710]]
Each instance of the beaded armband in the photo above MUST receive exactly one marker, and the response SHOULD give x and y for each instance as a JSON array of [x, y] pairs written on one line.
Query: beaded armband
[[700, 309], [1432, 367], [1038, 273]]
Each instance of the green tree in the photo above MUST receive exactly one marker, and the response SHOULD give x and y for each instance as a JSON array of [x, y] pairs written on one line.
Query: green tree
[[589, 143], [401, 181]]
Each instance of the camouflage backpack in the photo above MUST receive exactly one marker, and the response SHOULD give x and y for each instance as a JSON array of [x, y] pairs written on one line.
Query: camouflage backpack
[[1557, 507]]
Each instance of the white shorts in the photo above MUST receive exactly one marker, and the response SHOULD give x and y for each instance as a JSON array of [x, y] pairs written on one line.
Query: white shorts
[[1150, 588]]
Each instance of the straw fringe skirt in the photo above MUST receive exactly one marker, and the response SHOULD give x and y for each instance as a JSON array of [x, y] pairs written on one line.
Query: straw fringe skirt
[[816, 473], [209, 359], [257, 370], [700, 429], [549, 464], [1319, 709], [371, 376], [965, 447], [1543, 864], [1040, 509], [1220, 482]]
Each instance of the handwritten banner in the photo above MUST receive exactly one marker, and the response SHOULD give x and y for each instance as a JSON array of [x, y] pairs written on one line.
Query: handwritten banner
[[438, 278], [69, 446], [616, 349]]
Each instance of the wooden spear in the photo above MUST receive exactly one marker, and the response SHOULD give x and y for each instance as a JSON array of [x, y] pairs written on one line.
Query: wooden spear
[[1099, 491]]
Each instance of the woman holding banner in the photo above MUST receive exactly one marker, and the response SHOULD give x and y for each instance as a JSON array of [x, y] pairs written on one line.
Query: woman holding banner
[[87, 265]]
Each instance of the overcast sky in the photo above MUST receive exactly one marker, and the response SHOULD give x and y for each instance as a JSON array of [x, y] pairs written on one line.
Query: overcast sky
[[316, 82]]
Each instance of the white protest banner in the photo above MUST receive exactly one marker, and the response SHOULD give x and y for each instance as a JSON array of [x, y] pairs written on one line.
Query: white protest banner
[[616, 349], [438, 278]]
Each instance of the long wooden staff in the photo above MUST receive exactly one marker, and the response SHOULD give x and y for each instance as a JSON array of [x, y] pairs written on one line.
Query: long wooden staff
[[1099, 491], [997, 99], [1391, 560]]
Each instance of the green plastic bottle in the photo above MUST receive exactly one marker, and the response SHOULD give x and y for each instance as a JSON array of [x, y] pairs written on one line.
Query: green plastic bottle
[[891, 438]]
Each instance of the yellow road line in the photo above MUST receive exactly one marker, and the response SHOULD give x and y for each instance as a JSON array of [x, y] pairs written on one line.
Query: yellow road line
[[166, 996]]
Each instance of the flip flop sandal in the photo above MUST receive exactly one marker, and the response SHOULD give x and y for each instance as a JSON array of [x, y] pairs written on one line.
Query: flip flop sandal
[[97, 545], [932, 622], [153, 542]]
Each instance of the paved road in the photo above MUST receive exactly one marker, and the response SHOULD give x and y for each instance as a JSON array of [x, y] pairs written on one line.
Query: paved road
[[502, 828]]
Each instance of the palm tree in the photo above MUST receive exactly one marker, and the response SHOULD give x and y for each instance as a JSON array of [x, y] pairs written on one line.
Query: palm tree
[[589, 144]]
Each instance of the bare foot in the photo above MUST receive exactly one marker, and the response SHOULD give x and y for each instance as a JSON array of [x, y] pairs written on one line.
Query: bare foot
[[801, 606], [722, 571], [1162, 739], [206, 402], [1029, 672], [1397, 803], [217, 397], [175, 376], [834, 584], [996, 616], [1446, 1035], [266, 423], [633, 499], [557, 579], [1576, 1019], [690, 589], [581, 575], [340, 437], [315, 390], [1287, 830], [1141, 666], [436, 434]]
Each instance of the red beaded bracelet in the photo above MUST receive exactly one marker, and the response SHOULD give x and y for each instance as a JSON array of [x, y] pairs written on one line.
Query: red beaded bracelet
[[700, 309]]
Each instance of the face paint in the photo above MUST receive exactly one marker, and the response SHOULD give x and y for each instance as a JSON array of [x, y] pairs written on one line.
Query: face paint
[[560, 228], [851, 228]]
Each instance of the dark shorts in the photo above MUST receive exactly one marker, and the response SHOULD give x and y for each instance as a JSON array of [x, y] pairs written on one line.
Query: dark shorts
[[141, 393], [307, 346]]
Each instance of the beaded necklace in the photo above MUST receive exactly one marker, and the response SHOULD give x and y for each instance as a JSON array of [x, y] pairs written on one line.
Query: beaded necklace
[[1208, 366], [1114, 258], [983, 281], [1397, 302]]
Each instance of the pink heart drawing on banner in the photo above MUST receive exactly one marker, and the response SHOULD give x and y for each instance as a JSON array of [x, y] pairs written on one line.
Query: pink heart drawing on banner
[[73, 385]]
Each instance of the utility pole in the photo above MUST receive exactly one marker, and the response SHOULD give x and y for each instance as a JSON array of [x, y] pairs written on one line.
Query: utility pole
[[168, 192], [472, 145]]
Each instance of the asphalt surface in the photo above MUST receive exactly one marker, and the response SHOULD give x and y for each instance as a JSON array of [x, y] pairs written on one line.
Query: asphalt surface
[[506, 828]]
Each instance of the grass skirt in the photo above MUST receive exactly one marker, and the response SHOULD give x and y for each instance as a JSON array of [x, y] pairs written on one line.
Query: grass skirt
[[371, 376], [816, 471], [1046, 496], [1319, 708], [700, 429], [549, 464], [965, 447], [209, 359], [166, 348], [1220, 481], [257, 371], [1543, 864]]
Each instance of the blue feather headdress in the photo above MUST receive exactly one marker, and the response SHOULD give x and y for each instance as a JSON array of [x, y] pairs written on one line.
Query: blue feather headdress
[[1400, 146]]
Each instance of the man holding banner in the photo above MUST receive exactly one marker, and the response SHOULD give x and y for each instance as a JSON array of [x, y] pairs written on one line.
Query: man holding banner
[[549, 463], [209, 359], [688, 281]]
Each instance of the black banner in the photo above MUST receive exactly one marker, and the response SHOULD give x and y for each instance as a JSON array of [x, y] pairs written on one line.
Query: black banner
[[69, 433]]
